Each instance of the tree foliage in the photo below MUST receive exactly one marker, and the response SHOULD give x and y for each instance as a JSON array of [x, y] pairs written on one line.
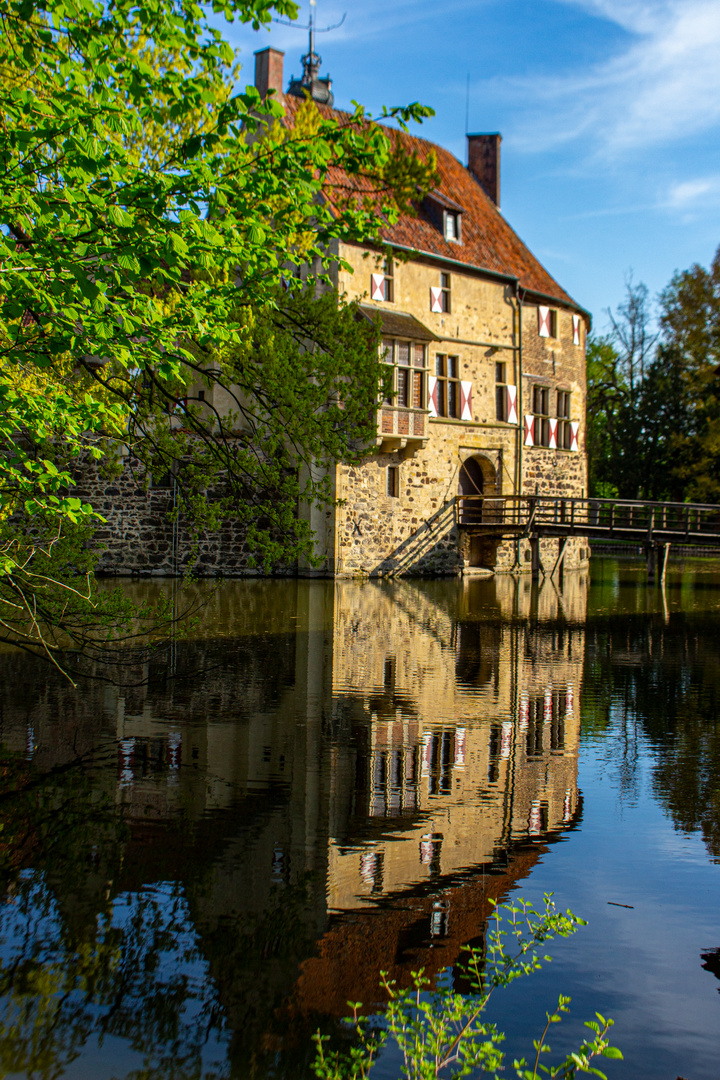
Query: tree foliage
[[654, 397], [151, 218]]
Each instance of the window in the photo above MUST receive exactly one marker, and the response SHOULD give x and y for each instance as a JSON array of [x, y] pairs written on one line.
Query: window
[[564, 427], [501, 397], [547, 322], [451, 221], [389, 274], [541, 412], [448, 386], [393, 481], [408, 382], [445, 292]]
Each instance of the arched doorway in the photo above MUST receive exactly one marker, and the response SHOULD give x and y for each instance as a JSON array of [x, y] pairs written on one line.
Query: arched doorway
[[477, 478]]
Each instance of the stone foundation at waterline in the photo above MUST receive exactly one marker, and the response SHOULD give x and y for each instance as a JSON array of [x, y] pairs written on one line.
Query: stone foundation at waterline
[[139, 535]]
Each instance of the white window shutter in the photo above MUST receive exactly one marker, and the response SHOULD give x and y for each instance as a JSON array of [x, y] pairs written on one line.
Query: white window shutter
[[547, 706], [512, 404], [529, 430], [576, 329], [552, 423], [574, 427], [377, 287], [466, 401], [432, 395], [459, 748], [435, 298], [524, 711], [544, 321]]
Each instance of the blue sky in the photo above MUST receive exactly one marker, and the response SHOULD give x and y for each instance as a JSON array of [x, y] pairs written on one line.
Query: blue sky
[[609, 110]]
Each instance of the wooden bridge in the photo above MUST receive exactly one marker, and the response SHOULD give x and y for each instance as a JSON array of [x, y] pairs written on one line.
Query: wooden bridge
[[653, 525]]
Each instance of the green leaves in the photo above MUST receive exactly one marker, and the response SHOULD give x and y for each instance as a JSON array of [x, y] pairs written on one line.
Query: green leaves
[[150, 214], [442, 1033]]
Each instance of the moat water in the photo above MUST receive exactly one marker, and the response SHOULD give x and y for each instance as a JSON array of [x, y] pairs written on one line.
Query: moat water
[[321, 781]]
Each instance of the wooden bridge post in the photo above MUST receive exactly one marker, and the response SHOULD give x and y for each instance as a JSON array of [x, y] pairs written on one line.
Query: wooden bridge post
[[651, 553], [535, 557]]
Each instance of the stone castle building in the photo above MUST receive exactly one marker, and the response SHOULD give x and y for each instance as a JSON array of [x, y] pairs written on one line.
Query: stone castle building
[[489, 389]]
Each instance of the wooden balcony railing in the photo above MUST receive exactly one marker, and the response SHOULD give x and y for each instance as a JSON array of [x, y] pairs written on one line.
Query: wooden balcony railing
[[402, 425]]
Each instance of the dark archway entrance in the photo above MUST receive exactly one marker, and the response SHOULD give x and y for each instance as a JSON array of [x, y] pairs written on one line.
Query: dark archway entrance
[[477, 477]]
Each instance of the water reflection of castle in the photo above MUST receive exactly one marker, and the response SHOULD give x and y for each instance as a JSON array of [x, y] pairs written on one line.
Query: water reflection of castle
[[355, 760]]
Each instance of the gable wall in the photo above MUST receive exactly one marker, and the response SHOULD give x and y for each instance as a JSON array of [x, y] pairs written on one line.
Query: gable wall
[[416, 532]]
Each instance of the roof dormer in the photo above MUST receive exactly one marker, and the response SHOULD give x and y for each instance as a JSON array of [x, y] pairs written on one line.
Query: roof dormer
[[445, 214]]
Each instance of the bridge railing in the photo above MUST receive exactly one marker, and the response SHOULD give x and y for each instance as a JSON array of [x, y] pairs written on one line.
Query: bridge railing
[[602, 517]]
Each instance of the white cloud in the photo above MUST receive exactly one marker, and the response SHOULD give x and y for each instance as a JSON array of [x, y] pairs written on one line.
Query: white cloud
[[664, 85], [691, 194]]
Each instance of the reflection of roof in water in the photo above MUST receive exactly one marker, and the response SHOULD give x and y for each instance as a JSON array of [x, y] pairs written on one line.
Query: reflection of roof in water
[[420, 928]]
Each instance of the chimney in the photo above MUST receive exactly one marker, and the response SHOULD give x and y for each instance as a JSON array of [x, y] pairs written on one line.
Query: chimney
[[269, 71], [484, 162]]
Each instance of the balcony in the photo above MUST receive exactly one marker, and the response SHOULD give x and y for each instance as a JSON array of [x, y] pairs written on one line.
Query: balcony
[[400, 428]]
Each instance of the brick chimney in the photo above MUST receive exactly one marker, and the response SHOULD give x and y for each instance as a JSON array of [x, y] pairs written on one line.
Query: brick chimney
[[484, 162], [269, 71]]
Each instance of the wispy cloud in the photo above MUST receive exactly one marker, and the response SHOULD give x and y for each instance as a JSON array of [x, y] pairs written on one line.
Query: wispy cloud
[[663, 85], [694, 194]]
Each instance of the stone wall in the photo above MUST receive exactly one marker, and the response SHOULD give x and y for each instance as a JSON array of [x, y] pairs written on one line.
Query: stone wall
[[140, 537], [415, 531]]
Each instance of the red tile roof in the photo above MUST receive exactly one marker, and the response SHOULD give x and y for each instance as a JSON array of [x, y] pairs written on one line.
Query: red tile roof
[[488, 242]]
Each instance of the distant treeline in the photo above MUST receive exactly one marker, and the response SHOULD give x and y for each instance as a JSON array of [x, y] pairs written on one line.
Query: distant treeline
[[653, 422]]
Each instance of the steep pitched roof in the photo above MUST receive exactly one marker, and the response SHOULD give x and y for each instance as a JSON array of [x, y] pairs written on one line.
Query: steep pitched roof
[[488, 241]]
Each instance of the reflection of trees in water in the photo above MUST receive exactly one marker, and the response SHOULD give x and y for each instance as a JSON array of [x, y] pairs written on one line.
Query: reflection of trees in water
[[190, 992], [664, 678], [139, 977]]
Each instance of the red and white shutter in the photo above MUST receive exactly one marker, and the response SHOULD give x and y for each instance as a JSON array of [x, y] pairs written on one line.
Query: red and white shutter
[[567, 806], [524, 711], [512, 404], [377, 287], [427, 753], [529, 430], [553, 432], [435, 298], [574, 427], [576, 329], [506, 732], [548, 706], [544, 321], [466, 401], [460, 748], [432, 395], [535, 819]]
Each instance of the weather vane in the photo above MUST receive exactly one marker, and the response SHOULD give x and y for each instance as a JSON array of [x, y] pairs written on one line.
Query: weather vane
[[311, 61]]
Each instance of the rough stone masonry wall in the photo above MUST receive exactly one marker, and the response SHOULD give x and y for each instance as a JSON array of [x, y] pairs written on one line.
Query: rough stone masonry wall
[[138, 536], [557, 363], [416, 532]]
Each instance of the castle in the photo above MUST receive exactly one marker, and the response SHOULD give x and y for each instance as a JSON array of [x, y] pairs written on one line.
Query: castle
[[489, 391]]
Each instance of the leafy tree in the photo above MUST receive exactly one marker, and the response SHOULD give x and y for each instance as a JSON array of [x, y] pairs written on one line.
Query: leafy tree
[[617, 368], [690, 321], [606, 397], [150, 219], [654, 399]]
